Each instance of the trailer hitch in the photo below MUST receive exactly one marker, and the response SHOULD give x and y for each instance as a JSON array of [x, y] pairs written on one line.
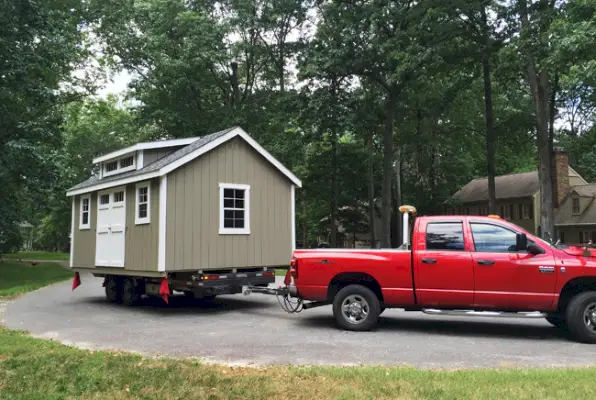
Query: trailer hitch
[[286, 296]]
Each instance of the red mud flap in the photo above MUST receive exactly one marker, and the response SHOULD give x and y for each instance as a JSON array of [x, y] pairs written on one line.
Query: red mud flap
[[76, 282], [164, 290], [288, 278]]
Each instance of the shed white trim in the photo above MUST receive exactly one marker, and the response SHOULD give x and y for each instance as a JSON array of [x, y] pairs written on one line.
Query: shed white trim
[[72, 231], [145, 146], [161, 248], [293, 216], [245, 229], [118, 182], [140, 159]]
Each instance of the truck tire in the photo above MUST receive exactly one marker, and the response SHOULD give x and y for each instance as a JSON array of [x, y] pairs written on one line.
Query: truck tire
[[130, 292], [356, 308], [581, 317], [113, 289]]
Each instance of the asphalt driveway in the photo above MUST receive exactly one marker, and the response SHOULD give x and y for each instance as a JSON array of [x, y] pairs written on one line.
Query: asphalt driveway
[[254, 330]]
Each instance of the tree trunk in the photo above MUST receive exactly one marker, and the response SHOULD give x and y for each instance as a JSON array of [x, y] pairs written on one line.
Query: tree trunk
[[488, 113], [371, 190], [304, 226], [335, 192], [235, 86], [387, 169], [398, 201]]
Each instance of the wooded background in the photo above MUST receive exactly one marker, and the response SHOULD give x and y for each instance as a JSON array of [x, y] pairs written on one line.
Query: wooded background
[[350, 95]]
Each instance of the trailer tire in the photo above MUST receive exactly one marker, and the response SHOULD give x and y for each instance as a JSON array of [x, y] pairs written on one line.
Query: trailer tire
[[130, 292], [581, 317], [356, 308], [113, 289]]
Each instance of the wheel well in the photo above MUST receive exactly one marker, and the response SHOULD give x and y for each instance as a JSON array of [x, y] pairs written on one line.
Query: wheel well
[[348, 278], [574, 287]]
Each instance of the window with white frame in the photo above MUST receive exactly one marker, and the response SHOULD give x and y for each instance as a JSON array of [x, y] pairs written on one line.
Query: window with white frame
[[117, 166], [575, 205], [85, 213], [234, 209], [143, 201]]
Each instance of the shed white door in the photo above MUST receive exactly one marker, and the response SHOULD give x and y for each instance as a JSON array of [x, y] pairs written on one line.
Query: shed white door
[[111, 227]]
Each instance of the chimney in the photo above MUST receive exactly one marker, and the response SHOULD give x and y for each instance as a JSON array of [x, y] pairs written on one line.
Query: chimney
[[560, 165]]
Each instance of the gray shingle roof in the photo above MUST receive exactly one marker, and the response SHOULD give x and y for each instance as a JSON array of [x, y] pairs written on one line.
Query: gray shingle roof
[[156, 165], [506, 187]]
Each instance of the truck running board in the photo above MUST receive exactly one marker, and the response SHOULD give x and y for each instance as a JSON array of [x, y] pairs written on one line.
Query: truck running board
[[470, 313]]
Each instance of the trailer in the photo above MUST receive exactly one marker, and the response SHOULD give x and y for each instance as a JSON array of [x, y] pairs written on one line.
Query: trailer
[[203, 215]]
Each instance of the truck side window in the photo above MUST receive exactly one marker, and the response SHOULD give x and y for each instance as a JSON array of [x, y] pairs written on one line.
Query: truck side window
[[445, 236], [493, 239]]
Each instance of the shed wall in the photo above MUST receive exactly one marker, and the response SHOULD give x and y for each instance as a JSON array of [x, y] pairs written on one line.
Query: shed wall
[[193, 206], [140, 250], [83, 254]]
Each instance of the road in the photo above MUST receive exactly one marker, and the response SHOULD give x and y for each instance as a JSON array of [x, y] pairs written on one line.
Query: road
[[253, 330]]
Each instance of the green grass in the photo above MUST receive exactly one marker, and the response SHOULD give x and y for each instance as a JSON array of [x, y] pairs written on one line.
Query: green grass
[[281, 272], [38, 369], [18, 278], [37, 255], [35, 369]]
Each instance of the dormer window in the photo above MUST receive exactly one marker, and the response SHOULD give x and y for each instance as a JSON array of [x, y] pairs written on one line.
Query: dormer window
[[126, 163], [575, 206]]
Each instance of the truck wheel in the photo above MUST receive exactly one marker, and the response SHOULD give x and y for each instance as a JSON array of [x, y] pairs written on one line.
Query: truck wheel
[[113, 290], [581, 317], [130, 292], [356, 308]]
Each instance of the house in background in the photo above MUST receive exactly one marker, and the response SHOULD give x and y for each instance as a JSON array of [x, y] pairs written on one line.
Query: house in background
[[26, 230], [518, 200]]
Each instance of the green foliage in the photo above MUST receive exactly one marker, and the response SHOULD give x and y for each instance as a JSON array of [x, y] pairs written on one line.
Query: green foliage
[[16, 278]]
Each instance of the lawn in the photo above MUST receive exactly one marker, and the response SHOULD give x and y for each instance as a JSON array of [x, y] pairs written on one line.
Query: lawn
[[35, 369], [38, 369], [37, 255], [16, 278]]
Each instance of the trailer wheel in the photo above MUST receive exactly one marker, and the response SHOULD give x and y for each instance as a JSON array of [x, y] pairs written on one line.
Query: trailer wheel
[[130, 292], [581, 317], [356, 308], [113, 289]]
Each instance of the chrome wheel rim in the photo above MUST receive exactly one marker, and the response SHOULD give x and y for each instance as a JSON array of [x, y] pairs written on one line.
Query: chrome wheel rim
[[590, 317], [355, 309]]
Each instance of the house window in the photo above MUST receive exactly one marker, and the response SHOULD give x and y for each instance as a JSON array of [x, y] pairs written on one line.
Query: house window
[[126, 162], [85, 217], [562, 236], [234, 209], [507, 211], [575, 206], [524, 211], [143, 201]]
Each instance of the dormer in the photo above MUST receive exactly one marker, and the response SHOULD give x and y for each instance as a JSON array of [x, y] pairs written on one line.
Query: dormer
[[137, 156]]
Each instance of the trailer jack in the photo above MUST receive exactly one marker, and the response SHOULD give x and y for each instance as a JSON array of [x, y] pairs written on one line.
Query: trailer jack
[[285, 296]]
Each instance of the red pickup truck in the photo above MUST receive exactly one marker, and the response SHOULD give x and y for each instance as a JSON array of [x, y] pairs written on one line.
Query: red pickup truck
[[463, 265]]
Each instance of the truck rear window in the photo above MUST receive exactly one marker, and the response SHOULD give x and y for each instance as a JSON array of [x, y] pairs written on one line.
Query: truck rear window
[[445, 236]]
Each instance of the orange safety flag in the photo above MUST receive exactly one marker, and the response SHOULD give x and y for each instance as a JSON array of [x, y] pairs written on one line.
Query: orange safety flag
[[76, 282]]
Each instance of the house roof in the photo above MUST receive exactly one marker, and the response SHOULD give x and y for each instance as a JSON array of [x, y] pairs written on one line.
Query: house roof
[[145, 146], [176, 159], [564, 215], [510, 186]]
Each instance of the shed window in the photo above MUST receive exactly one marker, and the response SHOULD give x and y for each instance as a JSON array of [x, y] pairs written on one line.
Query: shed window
[[142, 206], [126, 162], [234, 209], [112, 166], [84, 220]]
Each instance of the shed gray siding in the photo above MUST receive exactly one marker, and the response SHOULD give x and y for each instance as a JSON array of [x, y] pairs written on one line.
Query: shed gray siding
[[192, 228], [140, 246], [140, 249], [83, 255]]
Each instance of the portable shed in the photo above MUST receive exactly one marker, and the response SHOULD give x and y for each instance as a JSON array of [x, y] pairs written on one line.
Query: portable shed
[[213, 202]]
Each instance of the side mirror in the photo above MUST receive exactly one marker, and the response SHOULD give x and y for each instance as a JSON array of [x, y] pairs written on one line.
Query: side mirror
[[534, 249], [521, 241]]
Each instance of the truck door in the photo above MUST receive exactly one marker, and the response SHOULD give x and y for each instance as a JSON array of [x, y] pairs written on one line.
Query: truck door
[[443, 266], [506, 278]]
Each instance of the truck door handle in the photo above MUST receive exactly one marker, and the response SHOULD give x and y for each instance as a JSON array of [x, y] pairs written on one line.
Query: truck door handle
[[486, 262], [429, 261]]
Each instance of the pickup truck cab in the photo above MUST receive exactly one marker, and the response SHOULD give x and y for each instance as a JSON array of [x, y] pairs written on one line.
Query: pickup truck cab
[[464, 265]]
